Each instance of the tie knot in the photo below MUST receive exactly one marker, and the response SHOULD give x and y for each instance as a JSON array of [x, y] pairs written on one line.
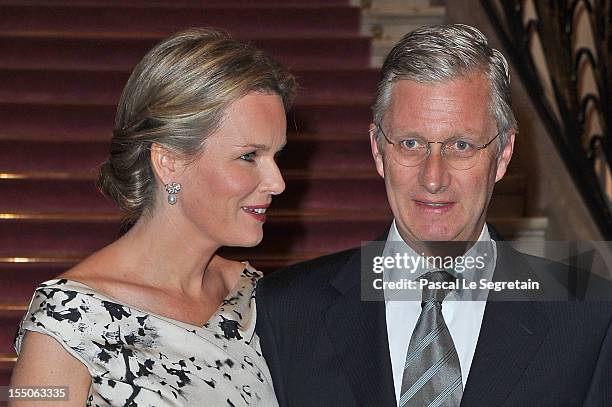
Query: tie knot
[[436, 294]]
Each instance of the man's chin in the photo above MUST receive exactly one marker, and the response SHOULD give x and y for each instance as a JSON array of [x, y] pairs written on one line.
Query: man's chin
[[450, 235], [438, 234]]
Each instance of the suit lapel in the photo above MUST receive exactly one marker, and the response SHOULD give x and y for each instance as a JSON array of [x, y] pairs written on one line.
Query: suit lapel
[[358, 332], [510, 335]]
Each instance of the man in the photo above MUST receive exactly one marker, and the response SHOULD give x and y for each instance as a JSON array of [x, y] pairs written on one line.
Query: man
[[442, 136]]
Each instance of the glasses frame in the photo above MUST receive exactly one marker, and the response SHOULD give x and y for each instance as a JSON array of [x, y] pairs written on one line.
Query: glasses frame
[[428, 151]]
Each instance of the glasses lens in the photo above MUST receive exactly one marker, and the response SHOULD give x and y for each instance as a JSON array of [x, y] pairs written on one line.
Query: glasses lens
[[455, 159], [409, 156], [462, 163]]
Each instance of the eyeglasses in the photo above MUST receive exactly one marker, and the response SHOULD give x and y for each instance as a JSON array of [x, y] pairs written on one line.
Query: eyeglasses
[[461, 153]]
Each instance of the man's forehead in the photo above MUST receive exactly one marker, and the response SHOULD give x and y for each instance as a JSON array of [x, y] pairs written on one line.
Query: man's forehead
[[476, 79], [407, 89], [463, 102]]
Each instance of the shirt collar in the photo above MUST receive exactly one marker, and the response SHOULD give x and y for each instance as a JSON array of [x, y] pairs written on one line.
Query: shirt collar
[[485, 248]]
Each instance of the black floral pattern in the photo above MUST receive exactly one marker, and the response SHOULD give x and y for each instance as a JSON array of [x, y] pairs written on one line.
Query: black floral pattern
[[137, 358]]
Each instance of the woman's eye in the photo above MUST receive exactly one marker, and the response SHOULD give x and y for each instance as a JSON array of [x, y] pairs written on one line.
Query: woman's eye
[[250, 157]]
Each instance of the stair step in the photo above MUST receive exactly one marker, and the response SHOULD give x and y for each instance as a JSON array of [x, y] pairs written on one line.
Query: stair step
[[9, 321], [94, 122], [389, 21], [35, 268], [6, 367], [18, 156], [21, 275], [316, 190], [279, 215], [19, 282], [523, 229], [12, 308], [282, 235], [42, 86], [244, 21], [123, 53], [326, 190], [20, 278], [47, 238], [333, 152], [24, 273], [176, 3], [80, 159]]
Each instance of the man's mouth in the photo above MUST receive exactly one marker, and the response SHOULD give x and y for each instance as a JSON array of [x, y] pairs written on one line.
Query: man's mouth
[[436, 207]]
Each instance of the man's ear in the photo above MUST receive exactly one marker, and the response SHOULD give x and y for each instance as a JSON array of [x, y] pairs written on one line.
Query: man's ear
[[164, 163], [504, 158], [378, 158]]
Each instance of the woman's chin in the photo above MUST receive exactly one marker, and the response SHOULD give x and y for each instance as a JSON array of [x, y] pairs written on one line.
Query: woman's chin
[[246, 241]]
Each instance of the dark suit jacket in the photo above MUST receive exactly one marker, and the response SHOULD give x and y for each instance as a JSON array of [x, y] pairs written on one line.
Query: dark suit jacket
[[326, 347]]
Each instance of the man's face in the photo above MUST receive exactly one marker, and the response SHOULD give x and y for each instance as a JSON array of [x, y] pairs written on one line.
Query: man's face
[[433, 201]]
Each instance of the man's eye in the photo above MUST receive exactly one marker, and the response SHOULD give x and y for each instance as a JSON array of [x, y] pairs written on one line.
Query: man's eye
[[410, 144], [250, 157], [461, 145]]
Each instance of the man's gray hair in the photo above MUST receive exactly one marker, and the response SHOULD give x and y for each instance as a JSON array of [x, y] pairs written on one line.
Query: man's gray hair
[[446, 52]]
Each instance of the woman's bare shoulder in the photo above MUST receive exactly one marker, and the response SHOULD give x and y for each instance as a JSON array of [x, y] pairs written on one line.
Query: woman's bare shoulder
[[43, 361], [101, 271]]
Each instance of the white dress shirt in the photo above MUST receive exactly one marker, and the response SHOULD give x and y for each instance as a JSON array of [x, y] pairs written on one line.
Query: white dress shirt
[[463, 317]]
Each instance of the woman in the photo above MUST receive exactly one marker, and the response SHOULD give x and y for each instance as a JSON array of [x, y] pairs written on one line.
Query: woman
[[156, 318]]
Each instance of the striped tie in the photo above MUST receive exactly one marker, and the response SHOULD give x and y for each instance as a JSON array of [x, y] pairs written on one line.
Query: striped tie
[[432, 375]]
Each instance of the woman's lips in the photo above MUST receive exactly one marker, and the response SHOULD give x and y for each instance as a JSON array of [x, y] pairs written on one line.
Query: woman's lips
[[257, 211]]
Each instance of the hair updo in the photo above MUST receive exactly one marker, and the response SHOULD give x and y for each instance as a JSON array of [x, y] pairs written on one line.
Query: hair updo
[[176, 97]]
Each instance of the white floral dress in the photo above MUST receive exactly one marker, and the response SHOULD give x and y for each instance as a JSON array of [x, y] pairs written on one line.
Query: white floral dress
[[136, 358]]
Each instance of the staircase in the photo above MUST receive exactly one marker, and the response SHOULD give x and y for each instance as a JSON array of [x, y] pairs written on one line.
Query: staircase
[[387, 21], [63, 64]]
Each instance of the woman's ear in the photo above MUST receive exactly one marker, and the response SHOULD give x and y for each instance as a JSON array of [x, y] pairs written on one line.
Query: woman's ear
[[163, 163]]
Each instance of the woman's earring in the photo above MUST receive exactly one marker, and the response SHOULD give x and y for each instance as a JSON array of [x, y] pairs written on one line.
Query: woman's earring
[[172, 189]]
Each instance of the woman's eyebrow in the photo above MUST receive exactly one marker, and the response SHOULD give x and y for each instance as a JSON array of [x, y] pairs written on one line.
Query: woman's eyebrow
[[254, 145]]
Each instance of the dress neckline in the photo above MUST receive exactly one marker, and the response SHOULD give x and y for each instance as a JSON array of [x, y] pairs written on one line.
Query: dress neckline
[[86, 289]]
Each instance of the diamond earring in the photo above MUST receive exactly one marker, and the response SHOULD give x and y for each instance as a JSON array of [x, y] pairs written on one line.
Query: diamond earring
[[172, 189]]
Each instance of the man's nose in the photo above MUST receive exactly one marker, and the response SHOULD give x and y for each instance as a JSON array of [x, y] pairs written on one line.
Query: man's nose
[[434, 175]]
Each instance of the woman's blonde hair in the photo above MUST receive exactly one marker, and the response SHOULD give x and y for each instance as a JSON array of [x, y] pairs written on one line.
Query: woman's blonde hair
[[176, 97]]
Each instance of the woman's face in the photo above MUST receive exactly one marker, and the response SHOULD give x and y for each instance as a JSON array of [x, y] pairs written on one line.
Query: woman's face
[[227, 190]]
